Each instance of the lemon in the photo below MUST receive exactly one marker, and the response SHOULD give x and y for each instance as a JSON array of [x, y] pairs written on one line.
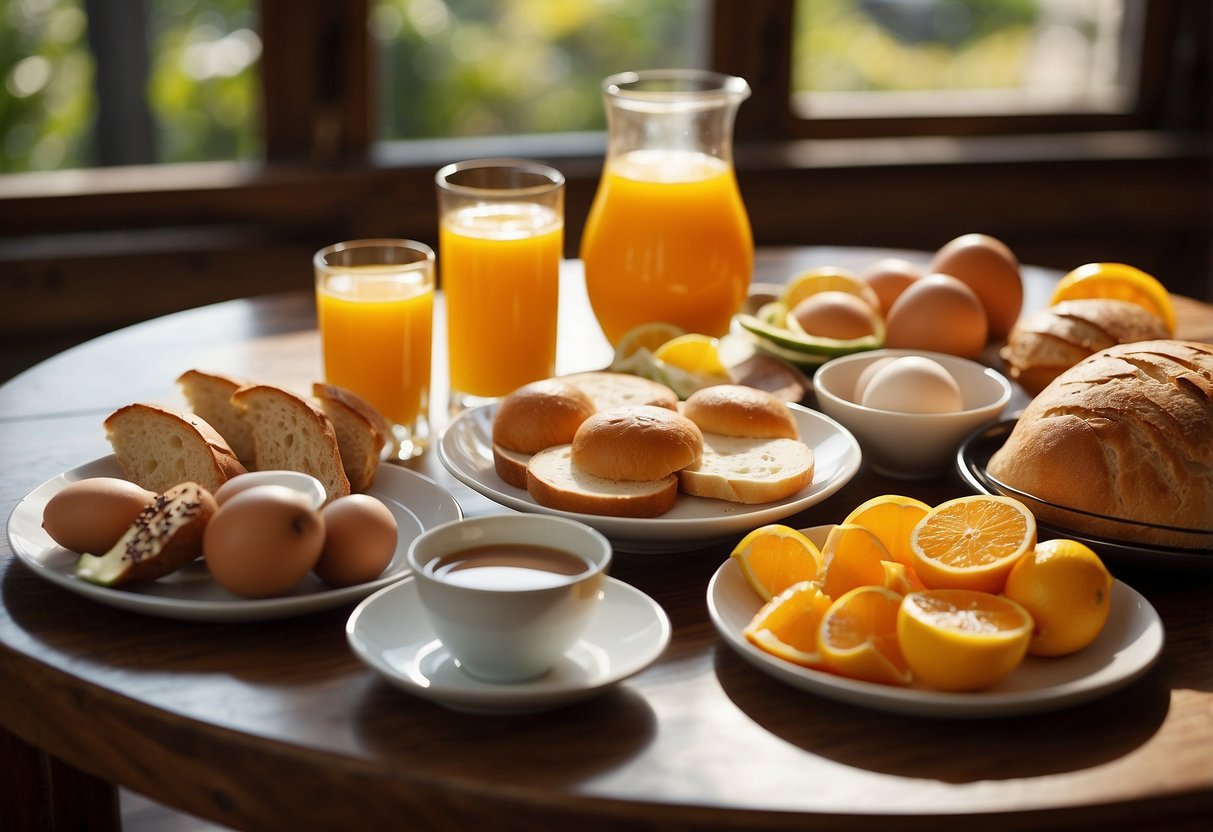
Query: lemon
[[692, 353], [774, 557], [648, 337], [1068, 591], [1118, 281]]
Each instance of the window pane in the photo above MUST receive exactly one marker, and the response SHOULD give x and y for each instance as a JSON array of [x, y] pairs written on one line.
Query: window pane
[[79, 90], [935, 57], [486, 67]]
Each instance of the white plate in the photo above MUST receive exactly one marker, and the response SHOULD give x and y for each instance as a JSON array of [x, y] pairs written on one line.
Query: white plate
[[390, 633], [416, 502], [467, 452], [1129, 644]]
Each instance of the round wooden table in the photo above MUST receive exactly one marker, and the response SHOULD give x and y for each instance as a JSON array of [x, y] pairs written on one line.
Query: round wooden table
[[277, 725]]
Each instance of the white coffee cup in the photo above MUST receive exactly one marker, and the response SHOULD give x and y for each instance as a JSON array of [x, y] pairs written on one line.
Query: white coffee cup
[[509, 594]]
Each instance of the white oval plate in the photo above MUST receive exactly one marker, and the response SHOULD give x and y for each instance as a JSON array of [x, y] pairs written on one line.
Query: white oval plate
[[190, 594], [389, 632], [466, 450], [1128, 646]]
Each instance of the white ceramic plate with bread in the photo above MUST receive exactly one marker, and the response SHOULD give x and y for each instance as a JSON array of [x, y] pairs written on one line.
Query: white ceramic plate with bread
[[416, 502], [1128, 646], [466, 450]]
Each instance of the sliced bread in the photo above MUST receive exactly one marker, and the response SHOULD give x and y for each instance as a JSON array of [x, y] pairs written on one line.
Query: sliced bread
[[362, 432], [290, 433], [748, 470], [554, 481], [210, 396], [158, 447]]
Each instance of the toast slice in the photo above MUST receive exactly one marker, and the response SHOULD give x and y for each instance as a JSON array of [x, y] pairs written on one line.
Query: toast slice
[[158, 447], [748, 470], [210, 396], [554, 481], [362, 432], [290, 433]]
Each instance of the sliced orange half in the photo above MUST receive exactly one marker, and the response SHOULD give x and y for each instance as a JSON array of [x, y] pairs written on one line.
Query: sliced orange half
[[858, 637], [774, 557], [972, 542], [1120, 282], [891, 517], [788, 624]]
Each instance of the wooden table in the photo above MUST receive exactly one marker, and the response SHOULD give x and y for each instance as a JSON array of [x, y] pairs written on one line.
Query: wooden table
[[277, 725]]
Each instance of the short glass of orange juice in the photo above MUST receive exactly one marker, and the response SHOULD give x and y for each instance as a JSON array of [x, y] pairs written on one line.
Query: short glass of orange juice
[[375, 306], [500, 237]]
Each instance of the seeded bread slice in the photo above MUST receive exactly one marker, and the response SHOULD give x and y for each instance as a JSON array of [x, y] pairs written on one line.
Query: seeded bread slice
[[748, 470], [158, 447], [290, 433], [554, 481]]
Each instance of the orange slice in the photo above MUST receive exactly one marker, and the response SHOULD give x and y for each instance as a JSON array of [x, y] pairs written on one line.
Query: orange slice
[[958, 639], [852, 556], [972, 542], [1118, 281], [1068, 591], [900, 578], [787, 626], [890, 517], [858, 637], [774, 557]]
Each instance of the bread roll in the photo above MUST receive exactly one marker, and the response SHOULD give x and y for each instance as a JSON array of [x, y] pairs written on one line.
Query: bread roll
[[210, 396], [292, 434], [554, 481], [607, 390], [1126, 433], [158, 447], [362, 432], [535, 416], [1045, 343], [734, 410], [636, 442], [748, 470]]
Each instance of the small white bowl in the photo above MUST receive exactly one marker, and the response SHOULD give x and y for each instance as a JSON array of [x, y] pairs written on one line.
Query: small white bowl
[[911, 445]]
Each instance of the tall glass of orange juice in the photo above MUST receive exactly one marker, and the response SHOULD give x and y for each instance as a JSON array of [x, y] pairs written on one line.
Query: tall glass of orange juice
[[501, 233], [668, 237], [375, 307]]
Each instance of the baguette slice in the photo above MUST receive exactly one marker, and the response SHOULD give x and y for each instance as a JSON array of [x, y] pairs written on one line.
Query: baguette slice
[[748, 470], [362, 432], [158, 447], [210, 396], [292, 434], [554, 481]]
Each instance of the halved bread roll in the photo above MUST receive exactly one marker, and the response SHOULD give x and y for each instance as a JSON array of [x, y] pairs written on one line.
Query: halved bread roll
[[158, 447], [554, 481], [535, 416], [636, 442], [607, 390], [736, 410], [290, 433], [745, 469]]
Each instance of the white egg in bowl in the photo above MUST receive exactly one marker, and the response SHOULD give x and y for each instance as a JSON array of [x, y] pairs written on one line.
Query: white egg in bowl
[[910, 410]]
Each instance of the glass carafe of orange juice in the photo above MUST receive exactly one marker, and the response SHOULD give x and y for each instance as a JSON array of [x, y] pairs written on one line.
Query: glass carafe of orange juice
[[668, 238]]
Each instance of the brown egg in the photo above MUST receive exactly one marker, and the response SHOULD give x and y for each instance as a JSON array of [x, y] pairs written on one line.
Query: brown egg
[[889, 277], [991, 270], [940, 314], [359, 540], [88, 516], [836, 315], [262, 541]]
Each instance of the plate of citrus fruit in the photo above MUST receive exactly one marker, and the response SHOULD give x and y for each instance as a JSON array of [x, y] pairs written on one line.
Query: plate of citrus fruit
[[954, 611]]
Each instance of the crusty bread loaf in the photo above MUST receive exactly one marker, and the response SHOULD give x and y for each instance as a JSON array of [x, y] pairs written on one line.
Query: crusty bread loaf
[[608, 390], [362, 432], [735, 410], [1051, 340], [210, 396], [158, 447], [636, 442], [535, 416], [1126, 433], [290, 433], [748, 470], [554, 481]]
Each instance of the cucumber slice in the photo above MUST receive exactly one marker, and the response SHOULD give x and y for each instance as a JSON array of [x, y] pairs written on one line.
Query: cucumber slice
[[802, 343]]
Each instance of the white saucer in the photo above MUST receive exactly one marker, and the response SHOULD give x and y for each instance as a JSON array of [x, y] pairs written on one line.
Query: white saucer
[[389, 632]]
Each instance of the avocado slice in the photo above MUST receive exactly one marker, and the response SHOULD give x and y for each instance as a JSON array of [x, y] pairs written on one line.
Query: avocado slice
[[790, 341]]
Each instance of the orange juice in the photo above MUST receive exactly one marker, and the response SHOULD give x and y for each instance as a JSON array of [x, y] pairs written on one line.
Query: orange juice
[[501, 274], [667, 239], [376, 324]]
